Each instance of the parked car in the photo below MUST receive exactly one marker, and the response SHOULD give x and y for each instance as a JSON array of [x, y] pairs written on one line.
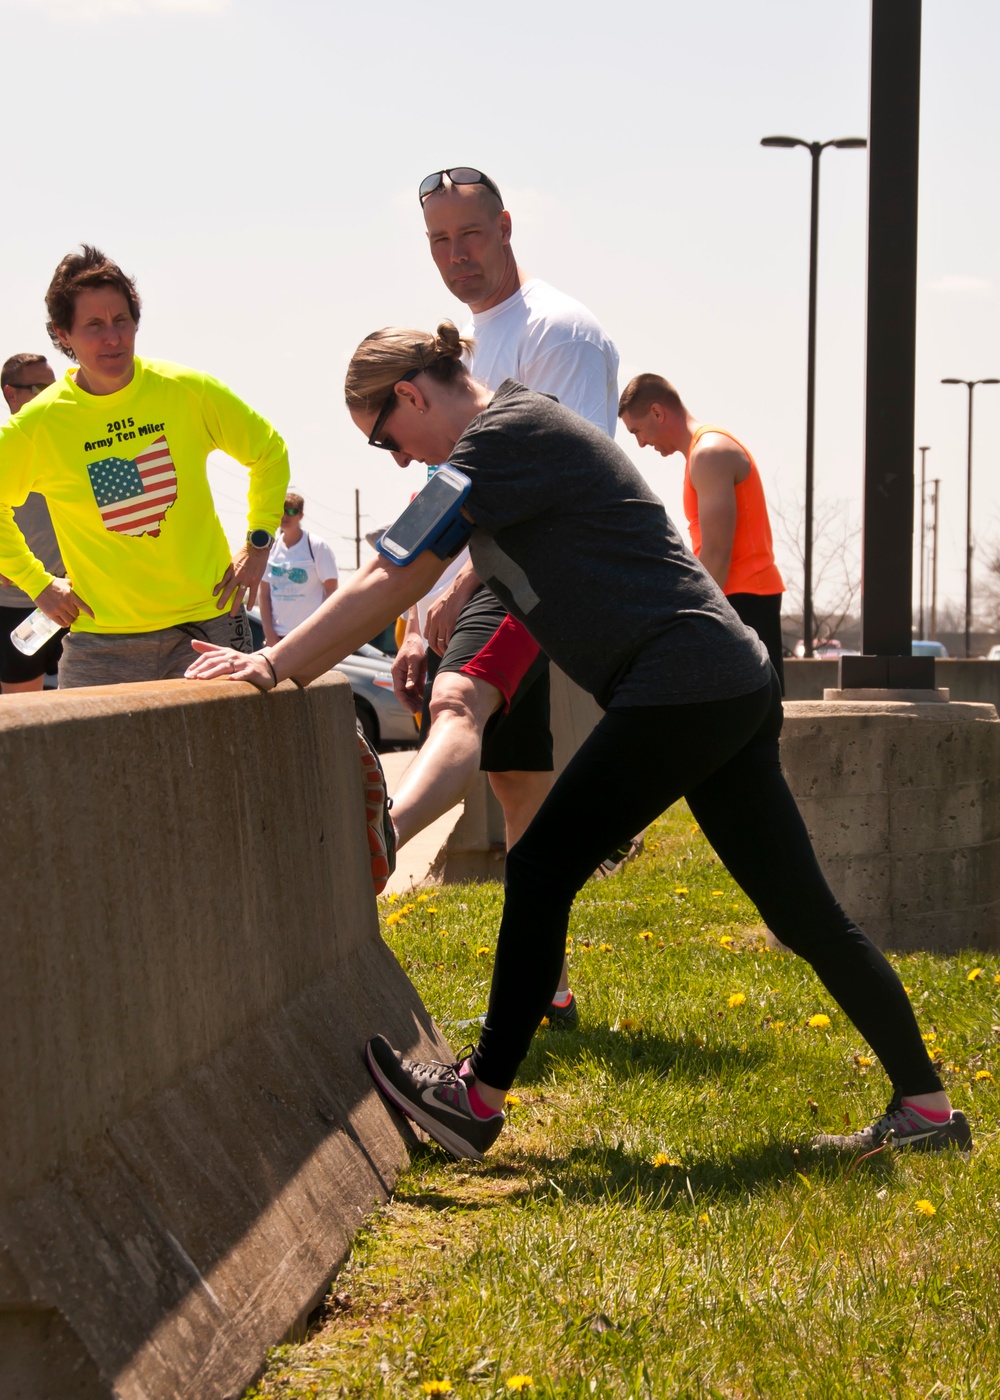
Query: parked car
[[386, 721], [993, 654], [926, 648]]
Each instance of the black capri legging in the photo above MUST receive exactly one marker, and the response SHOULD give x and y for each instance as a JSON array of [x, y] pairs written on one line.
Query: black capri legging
[[721, 755]]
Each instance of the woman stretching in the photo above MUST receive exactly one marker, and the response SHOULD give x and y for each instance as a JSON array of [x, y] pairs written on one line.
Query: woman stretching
[[574, 543]]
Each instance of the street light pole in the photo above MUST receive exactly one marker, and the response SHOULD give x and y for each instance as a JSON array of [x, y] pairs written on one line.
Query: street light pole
[[936, 483], [970, 384], [815, 149], [923, 492]]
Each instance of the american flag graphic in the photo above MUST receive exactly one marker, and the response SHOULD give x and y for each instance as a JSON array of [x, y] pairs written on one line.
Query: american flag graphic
[[134, 496]]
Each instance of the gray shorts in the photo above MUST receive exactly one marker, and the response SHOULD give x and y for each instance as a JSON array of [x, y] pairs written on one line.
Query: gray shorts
[[110, 658]]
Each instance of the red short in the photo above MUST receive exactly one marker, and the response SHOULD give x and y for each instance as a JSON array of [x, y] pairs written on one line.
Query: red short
[[505, 659]]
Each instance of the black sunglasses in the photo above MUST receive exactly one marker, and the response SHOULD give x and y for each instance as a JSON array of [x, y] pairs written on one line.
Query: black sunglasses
[[460, 175], [386, 442]]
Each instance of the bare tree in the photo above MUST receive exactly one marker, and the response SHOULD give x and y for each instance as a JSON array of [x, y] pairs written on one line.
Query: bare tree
[[989, 595], [836, 560]]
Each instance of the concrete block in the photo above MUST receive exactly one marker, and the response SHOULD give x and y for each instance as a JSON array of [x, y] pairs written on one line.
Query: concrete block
[[902, 801], [853, 824], [188, 1134]]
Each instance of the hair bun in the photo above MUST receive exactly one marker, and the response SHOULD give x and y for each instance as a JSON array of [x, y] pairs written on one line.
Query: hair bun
[[448, 343]]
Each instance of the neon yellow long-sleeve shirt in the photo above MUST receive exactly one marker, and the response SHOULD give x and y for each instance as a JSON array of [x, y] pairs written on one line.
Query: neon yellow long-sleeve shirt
[[125, 479]]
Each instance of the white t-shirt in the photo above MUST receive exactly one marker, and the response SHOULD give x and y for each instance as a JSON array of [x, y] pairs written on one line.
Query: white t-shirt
[[295, 575], [550, 343]]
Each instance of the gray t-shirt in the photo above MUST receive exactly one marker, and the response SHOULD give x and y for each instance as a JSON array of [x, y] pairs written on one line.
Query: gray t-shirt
[[575, 544]]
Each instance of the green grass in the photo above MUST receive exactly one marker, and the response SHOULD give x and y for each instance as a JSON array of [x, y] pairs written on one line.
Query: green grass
[[652, 1222]]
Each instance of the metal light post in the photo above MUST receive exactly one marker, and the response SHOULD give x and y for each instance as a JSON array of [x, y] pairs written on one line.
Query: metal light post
[[815, 149], [970, 384], [923, 492], [936, 484]]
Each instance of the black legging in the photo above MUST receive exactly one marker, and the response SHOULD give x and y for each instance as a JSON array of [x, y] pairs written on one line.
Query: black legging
[[723, 757]]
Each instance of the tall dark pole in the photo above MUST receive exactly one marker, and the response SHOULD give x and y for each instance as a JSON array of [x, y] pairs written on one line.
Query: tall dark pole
[[890, 353], [923, 495], [970, 384], [815, 149]]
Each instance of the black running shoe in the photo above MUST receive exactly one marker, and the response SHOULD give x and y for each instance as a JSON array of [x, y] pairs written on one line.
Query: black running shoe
[[563, 1018], [902, 1125], [380, 830], [434, 1096]]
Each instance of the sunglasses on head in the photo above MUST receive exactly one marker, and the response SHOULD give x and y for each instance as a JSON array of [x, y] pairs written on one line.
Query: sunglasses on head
[[377, 438], [460, 175]]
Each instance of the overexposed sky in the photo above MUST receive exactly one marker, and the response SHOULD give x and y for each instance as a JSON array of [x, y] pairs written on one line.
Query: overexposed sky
[[254, 164]]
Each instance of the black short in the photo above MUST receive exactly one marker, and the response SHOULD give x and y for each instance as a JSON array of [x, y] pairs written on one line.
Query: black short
[[15, 667], [762, 612], [516, 736]]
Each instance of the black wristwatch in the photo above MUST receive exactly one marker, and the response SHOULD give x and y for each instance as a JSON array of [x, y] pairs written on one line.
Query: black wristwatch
[[259, 539]]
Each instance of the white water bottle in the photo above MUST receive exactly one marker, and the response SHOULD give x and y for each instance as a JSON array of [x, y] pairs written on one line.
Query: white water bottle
[[31, 635]]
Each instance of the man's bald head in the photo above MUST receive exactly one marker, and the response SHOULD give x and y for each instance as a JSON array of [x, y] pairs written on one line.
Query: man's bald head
[[469, 235]]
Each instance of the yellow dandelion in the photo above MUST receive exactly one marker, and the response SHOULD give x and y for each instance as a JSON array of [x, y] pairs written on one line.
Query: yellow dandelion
[[628, 1024], [777, 1026], [694, 830], [422, 898], [482, 952], [737, 999], [726, 940], [519, 1383], [391, 919], [996, 979], [818, 1022], [408, 908], [391, 899], [585, 946], [431, 909], [442, 933], [662, 1160], [436, 1387], [863, 1061], [908, 991], [513, 1100], [925, 1208], [646, 935], [937, 1053], [545, 1021], [985, 1074], [975, 974], [929, 1036], [604, 948], [703, 1219], [716, 894], [681, 889]]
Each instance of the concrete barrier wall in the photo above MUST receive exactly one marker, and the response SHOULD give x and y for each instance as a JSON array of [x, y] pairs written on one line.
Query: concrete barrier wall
[[188, 1135], [974, 681]]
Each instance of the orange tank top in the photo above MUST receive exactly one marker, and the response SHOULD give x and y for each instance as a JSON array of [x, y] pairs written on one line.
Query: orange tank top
[[751, 568]]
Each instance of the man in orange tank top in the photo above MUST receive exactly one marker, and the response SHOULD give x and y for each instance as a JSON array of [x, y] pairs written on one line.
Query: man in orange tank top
[[723, 501]]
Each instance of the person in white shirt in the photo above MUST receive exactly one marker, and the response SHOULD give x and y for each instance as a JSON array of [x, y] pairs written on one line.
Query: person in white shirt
[[301, 571], [489, 705]]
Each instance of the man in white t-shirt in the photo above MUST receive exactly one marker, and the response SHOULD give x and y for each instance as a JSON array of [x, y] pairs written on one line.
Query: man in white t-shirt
[[486, 710], [301, 571]]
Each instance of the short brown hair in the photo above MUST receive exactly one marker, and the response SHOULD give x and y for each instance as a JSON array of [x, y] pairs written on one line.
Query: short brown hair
[[385, 356], [16, 362], [292, 498], [643, 391], [78, 272]]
